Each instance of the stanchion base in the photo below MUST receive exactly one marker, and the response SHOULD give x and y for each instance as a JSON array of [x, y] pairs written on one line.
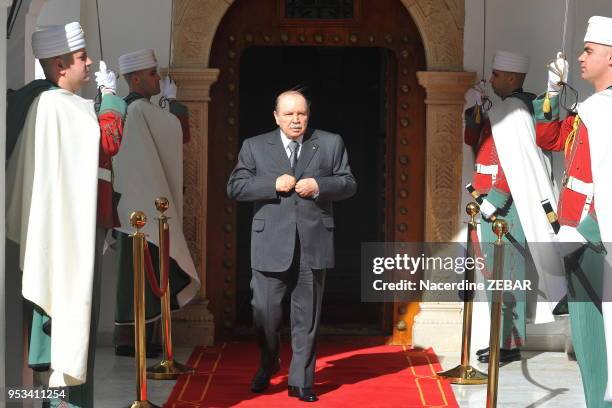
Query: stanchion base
[[143, 404], [167, 370], [467, 375]]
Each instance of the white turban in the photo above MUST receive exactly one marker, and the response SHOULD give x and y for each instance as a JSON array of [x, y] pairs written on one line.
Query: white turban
[[137, 61], [511, 62], [53, 41], [599, 30]]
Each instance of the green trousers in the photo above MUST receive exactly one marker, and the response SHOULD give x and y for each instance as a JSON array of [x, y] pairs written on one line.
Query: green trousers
[[514, 307], [587, 323]]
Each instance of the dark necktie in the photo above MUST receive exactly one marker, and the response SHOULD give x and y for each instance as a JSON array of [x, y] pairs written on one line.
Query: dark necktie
[[293, 148]]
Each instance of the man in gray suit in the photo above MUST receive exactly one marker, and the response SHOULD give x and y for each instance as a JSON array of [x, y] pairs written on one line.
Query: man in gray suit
[[292, 176]]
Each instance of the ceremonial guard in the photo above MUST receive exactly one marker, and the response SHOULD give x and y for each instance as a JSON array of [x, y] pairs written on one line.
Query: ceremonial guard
[[58, 176], [512, 175], [150, 165], [585, 203]]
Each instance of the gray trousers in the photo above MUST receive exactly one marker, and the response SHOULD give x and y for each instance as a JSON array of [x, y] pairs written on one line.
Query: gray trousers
[[306, 287]]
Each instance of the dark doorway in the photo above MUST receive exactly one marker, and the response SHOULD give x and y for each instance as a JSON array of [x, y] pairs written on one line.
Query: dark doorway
[[347, 87]]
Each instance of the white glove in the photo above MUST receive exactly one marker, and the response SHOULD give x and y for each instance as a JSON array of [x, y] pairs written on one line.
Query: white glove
[[106, 79], [558, 71], [168, 88], [568, 240], [477, 96], [487, 209], [472, 98]]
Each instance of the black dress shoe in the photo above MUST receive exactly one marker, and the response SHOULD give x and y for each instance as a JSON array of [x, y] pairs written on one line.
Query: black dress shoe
[[505, 356], [482, 351], [304, 394], [561, 309], [153, 351], [261, 380]]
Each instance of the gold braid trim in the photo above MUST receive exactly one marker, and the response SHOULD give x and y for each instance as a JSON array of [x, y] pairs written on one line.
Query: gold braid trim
[[570, 138]]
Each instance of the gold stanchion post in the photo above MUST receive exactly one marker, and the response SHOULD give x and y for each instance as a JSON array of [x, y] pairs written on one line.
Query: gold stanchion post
[[464, 373], [500, 228], [167, 369], [138, 219]]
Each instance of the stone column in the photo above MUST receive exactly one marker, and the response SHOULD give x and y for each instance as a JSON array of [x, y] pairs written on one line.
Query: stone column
[[438, 324], [194, 324]]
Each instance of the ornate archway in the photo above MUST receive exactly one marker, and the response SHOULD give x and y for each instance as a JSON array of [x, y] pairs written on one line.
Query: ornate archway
[[440, 25]]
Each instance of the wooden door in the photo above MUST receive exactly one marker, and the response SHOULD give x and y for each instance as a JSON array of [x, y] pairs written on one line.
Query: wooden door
[[381, 24]]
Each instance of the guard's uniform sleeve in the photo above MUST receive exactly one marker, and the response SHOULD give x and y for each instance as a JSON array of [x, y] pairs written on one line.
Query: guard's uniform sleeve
[[111, 118], [472, 129], [182, 113], [480, 136], [551, 133], [485, 157]]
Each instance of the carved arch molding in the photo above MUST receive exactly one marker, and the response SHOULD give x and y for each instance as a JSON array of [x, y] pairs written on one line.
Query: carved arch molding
[[440, 24]]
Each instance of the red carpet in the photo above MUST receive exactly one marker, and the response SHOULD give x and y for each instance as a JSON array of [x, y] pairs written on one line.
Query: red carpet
[[350, 372]]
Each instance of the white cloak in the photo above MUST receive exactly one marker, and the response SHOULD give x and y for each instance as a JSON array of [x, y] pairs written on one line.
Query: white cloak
[[527, 171], [596, 113], [150, 165], [51, 198]]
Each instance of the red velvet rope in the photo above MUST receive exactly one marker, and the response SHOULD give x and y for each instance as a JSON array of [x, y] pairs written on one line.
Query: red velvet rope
[[166, 256], [478, 252], [150, 270]]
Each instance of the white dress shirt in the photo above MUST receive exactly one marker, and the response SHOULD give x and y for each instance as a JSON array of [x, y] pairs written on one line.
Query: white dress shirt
[[286, 140]]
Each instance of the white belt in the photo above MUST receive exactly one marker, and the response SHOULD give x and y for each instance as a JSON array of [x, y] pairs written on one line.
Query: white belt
[[482, 169], [104, 174], [579, 186]]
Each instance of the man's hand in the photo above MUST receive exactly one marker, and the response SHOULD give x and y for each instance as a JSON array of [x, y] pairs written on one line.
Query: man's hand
[[168, 88], [558, 71], [285, 183], [473, 97], [106, 79], [307, 187]]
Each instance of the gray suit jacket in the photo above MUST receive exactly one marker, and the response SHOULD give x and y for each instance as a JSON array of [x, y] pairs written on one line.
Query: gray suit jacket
[[277, 216]]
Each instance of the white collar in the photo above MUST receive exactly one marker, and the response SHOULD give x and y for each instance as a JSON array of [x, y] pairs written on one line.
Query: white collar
[[286, 140]]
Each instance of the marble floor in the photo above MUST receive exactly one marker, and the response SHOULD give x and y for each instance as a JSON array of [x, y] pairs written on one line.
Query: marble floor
[[117, 379], [546, 379], [540, 379]]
